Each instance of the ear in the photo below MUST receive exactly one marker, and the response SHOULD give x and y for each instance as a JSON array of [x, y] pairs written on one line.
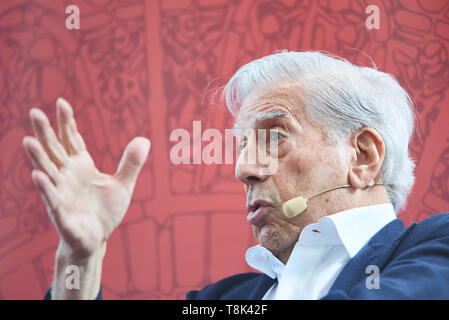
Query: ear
[[369, 155]]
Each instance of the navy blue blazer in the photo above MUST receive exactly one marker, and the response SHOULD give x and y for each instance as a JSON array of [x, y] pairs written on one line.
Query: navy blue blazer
[[413, 264]]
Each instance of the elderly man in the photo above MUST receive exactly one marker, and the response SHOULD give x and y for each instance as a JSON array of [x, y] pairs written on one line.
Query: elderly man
[[325, 218]]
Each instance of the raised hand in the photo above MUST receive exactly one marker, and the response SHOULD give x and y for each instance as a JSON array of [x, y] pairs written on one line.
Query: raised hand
[[84, 204]]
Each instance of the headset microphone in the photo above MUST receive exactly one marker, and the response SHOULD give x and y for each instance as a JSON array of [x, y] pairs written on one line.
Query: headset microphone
[[295, 206]]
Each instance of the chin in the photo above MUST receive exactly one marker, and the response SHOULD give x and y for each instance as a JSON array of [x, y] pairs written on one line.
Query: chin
[[271, 238]]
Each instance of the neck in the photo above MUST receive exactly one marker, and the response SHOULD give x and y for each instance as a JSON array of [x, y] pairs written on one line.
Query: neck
[[337, 201], [345, 199]]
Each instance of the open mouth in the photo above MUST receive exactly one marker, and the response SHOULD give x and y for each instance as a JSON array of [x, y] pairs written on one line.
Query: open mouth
[[257, 211], [257, 204]]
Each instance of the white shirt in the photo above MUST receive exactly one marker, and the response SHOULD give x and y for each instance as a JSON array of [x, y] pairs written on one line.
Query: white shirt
[[318, 257]]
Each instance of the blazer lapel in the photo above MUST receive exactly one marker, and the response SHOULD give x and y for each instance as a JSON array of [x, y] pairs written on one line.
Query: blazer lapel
[[261, 287], [254, 289], [377, 252]]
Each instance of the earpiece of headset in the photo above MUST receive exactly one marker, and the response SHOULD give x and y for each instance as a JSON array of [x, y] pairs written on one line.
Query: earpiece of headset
[[295, 206]]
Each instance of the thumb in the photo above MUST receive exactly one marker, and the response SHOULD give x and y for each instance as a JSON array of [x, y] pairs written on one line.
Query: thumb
[[132, 161]]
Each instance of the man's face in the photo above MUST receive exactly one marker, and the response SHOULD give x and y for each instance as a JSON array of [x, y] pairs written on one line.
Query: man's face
[[306, 164]]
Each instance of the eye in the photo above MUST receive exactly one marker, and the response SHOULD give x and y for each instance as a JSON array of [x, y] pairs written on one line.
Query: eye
[[275, 136]]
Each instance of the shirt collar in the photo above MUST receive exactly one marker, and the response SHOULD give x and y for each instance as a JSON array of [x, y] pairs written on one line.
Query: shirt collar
[[355, 227], [350, 228], [260, 258]]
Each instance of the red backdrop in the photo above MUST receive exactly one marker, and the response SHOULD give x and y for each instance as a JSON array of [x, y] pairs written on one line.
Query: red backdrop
[[143, 68]]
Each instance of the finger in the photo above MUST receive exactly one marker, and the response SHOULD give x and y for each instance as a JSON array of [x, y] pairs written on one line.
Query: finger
[[48, 192], [132, 161], [46, 136], [68, 133], [40, 159]]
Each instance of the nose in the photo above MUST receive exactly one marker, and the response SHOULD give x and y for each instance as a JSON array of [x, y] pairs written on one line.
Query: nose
[[250, 172]]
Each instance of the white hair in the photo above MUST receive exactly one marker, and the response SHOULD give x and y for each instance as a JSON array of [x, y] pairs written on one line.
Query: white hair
[[342, 98]]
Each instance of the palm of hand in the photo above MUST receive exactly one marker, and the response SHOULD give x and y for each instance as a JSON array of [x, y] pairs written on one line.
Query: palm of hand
[[84, 204]]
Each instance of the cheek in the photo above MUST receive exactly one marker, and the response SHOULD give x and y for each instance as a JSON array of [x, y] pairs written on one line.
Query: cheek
[[307, 170], [289, 178], [333, 164], [292, 171]]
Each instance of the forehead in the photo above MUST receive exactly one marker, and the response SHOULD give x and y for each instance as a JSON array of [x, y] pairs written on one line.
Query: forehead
[[281, 101]]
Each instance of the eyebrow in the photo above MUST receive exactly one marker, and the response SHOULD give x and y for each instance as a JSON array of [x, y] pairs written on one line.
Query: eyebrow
[[270, 115], [266, 116]]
